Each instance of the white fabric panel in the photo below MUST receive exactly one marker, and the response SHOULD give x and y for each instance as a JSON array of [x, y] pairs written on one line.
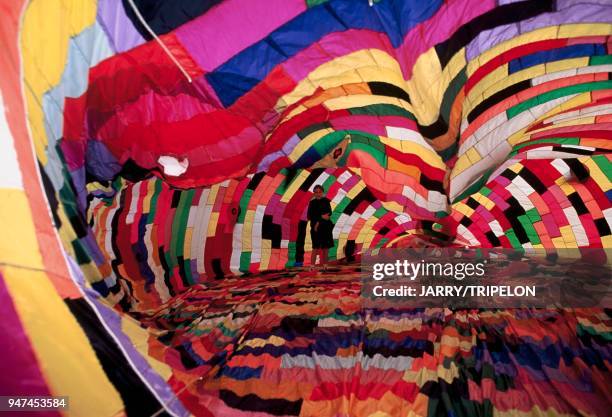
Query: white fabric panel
[[10, 173]]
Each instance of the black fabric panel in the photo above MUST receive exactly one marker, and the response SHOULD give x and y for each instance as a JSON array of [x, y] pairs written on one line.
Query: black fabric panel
[[256, 180], [300, 241], [51, 197], [271, 231], [497, 98], [216, 266], [580, 171], [578, 204], [492, 238], [131, 171], [466, 221], [186, 359], [364, 195], [165, 15], [176, 198], [166, 268], [349, 250], [313, 128], [471, 203], [314, 174], [578, 151], [385, 89], [602, 227], [298, 325], [432, 185], [137, 398], [533, 180], [252, 402], [437, 128], [501, 15]]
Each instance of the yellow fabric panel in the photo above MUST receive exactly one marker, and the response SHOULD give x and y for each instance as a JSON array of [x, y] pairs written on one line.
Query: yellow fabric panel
[[463, 209], [365, 100], [247, 230], [295, 185], [259, 342], [18, 243], [266, 247], [455, 65], [212, 224], [529, 37], [461, 165], [584, 29], [553, 32], [393, 206], [472, 155], [342, 70], [45, 34], [139, 338], [427, 86], [148, 196], [188, 239], [366, 229], [66, 359], [484, 200], [596, 173], [566, 64], [494, 81], [568, 235]]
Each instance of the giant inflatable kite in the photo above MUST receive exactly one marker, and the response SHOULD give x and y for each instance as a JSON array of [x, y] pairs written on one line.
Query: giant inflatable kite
[[158, 157]]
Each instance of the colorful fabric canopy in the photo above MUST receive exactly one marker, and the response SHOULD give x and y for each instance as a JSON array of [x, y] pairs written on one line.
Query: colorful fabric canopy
[[149, 182]]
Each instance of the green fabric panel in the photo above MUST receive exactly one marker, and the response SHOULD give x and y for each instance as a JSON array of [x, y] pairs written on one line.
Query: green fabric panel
[[533, 215], [179, 223], [245, 261], [244, 203], [381, 211], [552, 141], [312, 3], [187, 267], [512, 238], [451, 93], [604, 164], [554, 94], [380, 156], [156, 192], [474, 188], [82, 257], [382, 110], [600, 60], [531, 232], [324, 145]]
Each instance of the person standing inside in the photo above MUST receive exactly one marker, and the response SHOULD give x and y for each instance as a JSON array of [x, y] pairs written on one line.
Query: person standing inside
[[321, 227]]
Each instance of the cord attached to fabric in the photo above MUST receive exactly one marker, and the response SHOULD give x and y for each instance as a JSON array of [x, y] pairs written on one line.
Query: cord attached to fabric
[[159, 41]]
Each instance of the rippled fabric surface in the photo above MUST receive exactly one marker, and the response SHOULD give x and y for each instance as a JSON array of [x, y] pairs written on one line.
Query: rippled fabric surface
[[147, 192]]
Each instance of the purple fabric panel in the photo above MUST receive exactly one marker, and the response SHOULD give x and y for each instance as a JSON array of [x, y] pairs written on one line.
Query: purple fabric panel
[[570, 12], [112, 320], [232, 26], [286, 150], [121, 33]]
